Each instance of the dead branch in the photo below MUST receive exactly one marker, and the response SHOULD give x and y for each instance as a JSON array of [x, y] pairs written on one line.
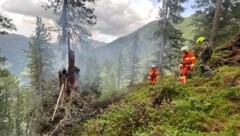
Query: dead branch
[[62, 88]]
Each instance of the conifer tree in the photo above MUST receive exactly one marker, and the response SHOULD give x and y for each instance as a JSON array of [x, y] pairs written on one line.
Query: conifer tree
[[171, 38], [229, 21], [10, 94], [216, 21], [40, 54], [9, 88], [19, 109], [73, 17], [133, 62], [6, 24], [119, 70], [107, 77]]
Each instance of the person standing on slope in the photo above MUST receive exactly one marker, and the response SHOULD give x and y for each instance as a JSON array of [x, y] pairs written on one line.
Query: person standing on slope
[[187, 64], [153, 75], [203, 52]]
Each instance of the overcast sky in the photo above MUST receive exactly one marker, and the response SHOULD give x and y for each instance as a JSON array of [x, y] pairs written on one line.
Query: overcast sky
[[115, 17]]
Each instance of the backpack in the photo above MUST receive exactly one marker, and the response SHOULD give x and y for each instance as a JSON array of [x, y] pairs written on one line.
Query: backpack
[[207, 54]]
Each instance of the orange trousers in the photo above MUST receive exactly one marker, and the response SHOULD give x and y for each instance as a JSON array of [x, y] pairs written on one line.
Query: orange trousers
[[184, 73]]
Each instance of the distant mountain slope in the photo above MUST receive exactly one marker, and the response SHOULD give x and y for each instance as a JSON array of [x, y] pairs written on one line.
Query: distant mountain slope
[[186, 28], [146, 43], [12, 46], [96, 44]]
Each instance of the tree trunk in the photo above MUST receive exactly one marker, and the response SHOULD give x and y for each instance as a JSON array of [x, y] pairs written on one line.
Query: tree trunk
[[119, 80], [18, 127], [28, 125], [64, 23], [18, 115], [215, 23], [40, 68], [71, 64], [164, 34], [134, 60], [132, 70]]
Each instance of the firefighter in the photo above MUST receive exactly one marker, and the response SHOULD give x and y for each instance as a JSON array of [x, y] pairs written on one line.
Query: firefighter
[[204, 51], [187, 64], [153, 75]]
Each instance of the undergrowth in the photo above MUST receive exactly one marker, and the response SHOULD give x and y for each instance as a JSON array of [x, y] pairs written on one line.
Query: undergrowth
[[209, 106]]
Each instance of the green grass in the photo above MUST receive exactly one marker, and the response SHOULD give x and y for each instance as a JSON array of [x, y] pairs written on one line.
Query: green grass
[[200, 107]]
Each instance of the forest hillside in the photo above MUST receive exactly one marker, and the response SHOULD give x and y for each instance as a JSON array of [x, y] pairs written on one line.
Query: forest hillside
[[202, 106]]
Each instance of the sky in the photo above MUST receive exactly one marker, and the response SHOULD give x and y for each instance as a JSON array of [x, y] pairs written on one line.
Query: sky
[[116, 18]]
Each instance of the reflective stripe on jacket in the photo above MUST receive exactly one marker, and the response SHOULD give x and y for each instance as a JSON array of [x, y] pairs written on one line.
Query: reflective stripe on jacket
[[188, 59]]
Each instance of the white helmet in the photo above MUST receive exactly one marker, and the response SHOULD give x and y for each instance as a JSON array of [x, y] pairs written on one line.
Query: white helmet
[[153, 66], [184, 48]]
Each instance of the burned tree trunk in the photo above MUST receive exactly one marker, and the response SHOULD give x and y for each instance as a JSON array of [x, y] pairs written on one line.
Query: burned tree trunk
[[71, 61], [67, 76]]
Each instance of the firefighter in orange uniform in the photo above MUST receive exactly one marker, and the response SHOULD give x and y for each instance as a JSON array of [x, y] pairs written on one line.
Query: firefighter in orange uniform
[[188, 62], [153, 75]]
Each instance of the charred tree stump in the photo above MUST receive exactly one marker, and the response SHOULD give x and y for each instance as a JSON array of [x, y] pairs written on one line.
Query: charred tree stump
[[71, 64]]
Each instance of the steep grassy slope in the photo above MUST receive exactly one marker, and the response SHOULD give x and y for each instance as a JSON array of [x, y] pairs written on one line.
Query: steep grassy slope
[[203, 106], [200, 107]]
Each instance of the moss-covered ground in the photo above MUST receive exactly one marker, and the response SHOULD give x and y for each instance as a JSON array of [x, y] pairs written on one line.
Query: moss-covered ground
[[202, 106]]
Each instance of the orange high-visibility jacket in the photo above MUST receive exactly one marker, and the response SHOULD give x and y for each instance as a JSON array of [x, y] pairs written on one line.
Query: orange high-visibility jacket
[[150, 73], [188, 61]]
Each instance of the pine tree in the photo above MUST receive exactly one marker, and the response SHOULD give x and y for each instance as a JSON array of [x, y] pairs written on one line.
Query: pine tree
[[216, 21], [6, 24], [10, 101], [133, 62], [9, 88], [229, 22], [40, 54], [120, 70], [90, 73], [19, 109], [107, 77], [74, 17], [171, 38]]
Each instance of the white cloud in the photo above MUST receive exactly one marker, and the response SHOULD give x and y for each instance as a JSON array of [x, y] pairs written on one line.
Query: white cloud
[[24, 17], [115, 17], [29, 8], [96, 35], [120, 17]]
